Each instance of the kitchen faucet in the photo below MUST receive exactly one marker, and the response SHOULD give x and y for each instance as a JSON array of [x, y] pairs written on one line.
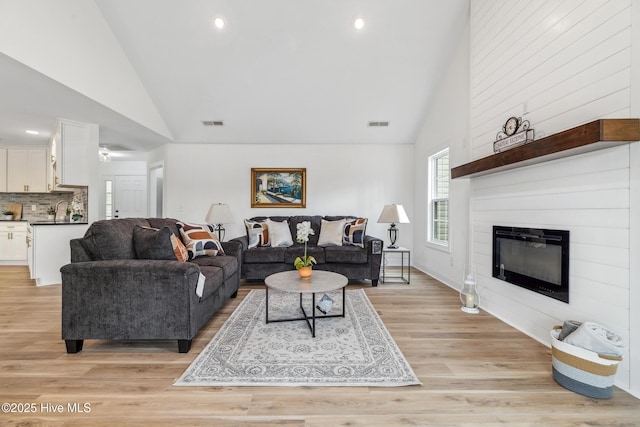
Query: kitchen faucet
[[58, 205]]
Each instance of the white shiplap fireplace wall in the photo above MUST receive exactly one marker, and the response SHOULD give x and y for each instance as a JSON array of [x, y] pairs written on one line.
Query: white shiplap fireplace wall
[[560, 64]]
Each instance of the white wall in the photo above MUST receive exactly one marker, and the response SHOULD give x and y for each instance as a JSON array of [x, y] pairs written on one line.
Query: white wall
[[70, 42], [445, 125], [354, 179], [560, 64]]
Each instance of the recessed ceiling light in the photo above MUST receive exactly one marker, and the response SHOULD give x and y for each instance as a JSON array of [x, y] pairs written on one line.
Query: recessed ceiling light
[[32, 132], [218, 22], [358, 23]]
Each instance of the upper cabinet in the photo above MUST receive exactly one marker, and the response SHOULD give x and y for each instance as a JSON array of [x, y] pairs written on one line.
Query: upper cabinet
[[69, 148], [26, 170]]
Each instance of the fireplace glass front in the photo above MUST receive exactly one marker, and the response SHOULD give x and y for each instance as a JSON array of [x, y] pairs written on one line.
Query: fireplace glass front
[[535, 259]]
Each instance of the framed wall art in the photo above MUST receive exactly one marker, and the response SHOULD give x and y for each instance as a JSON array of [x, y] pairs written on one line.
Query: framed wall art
[[278, 187]]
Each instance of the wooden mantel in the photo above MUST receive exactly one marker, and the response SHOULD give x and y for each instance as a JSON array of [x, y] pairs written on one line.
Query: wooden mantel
[[592, 136]]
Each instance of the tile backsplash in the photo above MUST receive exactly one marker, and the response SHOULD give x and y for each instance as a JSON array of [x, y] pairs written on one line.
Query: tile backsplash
[[42, 201]]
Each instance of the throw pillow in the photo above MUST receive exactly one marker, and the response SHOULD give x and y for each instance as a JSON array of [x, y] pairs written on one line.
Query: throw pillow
[[199, 239], [279, 234], [331, 233], [258, 233], [354, 232], [160, 244]]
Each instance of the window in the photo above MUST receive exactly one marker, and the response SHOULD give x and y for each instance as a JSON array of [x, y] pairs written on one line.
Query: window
[[438, 209], [108, 199]]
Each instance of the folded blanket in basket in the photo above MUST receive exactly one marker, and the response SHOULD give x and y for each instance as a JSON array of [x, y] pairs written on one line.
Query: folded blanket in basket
[[568, 326], [596, 338]]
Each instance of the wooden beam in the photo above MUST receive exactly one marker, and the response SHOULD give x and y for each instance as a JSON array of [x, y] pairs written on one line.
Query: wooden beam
[[596, 135]]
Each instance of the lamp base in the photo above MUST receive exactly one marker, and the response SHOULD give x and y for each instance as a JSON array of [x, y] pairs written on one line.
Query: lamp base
[[393, 247], [470, 310], [393, 236], [221, 231]]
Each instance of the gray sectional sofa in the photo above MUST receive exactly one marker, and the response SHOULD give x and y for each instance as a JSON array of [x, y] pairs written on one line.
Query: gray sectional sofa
[[109, 292], [354, 262]]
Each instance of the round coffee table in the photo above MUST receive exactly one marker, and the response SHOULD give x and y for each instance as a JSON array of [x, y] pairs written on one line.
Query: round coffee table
[[320, 281]]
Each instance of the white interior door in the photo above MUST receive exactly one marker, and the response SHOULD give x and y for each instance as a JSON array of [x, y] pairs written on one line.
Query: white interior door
[[130, 196]]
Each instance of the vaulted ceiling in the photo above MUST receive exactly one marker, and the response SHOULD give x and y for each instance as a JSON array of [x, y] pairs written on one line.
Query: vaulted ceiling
[[280, 71]]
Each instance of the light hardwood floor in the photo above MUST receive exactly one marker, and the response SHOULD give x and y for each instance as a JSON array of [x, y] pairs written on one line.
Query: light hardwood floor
[[475, 370]]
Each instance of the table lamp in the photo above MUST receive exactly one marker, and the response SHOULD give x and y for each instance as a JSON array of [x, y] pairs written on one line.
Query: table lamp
[[219, 214], [393, 214]]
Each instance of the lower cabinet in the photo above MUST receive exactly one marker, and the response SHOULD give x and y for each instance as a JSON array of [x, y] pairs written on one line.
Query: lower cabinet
[[50, 250], [13, 241]]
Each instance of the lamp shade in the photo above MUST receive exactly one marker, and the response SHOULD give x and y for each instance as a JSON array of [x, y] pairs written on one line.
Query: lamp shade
[[393, 214], [219, 214]]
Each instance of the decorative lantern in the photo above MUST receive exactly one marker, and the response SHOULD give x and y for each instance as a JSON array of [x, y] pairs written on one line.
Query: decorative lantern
[[469, 294]]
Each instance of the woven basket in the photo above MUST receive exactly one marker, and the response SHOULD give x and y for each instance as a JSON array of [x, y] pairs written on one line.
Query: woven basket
[[582, 371]]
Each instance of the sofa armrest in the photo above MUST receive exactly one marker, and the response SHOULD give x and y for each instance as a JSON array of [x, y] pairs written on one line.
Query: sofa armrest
[[142, 275], [78, 251], [373, 245], [234, 248], [374, 248], [243, 240], [119, 298]]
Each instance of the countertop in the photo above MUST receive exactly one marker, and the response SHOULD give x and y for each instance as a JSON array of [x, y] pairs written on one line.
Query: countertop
[[57, 223]]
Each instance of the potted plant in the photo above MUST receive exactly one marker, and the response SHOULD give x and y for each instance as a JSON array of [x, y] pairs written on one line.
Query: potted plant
[[305, 263], [7, 214], [51, 213]]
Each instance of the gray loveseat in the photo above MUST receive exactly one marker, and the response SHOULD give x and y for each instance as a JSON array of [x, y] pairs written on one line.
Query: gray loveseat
[[354, 262], [108, 292]]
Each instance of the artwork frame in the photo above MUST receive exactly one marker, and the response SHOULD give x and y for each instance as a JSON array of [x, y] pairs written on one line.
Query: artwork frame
[[266, 193]]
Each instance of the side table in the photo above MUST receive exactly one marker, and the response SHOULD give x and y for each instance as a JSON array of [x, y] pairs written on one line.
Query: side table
[[402, 277]]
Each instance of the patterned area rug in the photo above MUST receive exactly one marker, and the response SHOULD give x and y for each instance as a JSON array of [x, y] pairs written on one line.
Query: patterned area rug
[[356, 350]]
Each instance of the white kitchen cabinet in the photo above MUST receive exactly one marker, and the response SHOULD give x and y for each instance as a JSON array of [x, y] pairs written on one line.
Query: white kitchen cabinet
[[3, 170], [69, 148], [50, 250], [27, 170], [13, 241]]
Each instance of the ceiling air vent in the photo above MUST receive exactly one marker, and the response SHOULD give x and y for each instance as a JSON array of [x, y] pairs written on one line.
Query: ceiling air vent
[[213, 123], [378, 124]]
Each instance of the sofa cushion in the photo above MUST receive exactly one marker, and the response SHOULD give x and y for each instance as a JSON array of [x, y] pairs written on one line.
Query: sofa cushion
[[346, 254], [279, 234], [214, 278], [257, 232], [316, 224], [297, 250], [165, 222], [159, 244], [354, 232], [264, 255], [331, 233], [199, 239], [228, 264], [112, 239]]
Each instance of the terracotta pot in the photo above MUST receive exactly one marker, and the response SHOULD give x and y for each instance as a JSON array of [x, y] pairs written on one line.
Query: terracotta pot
[[305, 272]]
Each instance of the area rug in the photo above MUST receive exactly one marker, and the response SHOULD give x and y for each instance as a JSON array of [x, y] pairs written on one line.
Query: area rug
[[356, 350]]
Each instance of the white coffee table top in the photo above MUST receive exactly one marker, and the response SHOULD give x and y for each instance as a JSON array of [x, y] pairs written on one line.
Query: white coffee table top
[[320, 281]]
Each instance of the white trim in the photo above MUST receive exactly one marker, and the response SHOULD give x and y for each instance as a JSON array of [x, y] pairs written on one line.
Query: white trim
[[151, 193], [430, 241], [634, 211]]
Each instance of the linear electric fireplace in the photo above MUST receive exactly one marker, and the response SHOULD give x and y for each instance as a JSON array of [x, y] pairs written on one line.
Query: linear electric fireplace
[[534, 259]]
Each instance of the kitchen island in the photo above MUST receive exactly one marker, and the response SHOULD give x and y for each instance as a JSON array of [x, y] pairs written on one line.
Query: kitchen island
[[49, 248]]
